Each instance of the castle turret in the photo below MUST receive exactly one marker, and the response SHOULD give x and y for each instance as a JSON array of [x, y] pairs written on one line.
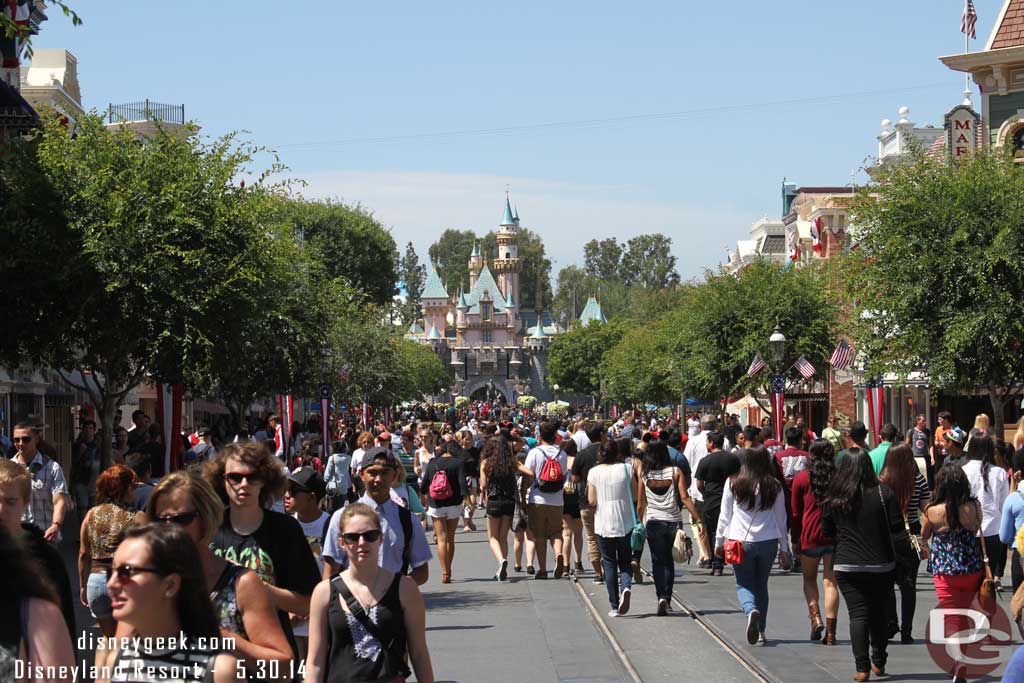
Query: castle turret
[[434, 302], [476, 264], [507, 265]]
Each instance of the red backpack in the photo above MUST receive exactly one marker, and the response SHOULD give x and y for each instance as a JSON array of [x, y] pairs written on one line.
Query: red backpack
[[551, 478]]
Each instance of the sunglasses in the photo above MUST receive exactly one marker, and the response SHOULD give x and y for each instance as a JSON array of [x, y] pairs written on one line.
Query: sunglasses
[[181, 519], [22, 439], [127, 572], [237, 477], [371, 536]]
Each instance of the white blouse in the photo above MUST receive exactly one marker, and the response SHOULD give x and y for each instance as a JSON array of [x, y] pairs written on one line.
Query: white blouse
[[991, 500], [613, 517], [742, 524]]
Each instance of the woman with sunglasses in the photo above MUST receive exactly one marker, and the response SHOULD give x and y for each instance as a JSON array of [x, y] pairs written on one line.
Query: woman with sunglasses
[[240, 600], [246, 477], [365, 621], [102, 531], [159, 593]]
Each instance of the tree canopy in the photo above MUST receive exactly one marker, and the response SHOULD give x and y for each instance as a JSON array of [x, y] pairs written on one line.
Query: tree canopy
[[575, 357], [937, 280]]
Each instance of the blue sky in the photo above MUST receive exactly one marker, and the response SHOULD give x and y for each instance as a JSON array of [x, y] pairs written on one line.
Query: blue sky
[[353, 96]]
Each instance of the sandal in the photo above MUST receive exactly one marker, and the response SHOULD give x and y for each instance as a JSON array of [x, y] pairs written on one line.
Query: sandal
[[446, 578]]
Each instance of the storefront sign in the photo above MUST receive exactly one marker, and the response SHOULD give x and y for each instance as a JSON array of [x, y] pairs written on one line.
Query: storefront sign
[[961, 131]]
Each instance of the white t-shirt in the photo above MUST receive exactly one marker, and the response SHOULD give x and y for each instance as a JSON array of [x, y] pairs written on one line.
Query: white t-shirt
[[614, 515], [991, 500], [357, 460], [581, 439], [535, 460], [693, 427], [314, 532]]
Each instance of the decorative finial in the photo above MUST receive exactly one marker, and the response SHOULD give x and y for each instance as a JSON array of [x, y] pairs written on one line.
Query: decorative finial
[[904, 112], [967, 97], [886, 125]]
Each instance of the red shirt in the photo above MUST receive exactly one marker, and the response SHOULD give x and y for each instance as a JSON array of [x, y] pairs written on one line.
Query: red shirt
[[790, 461], [805, 519]]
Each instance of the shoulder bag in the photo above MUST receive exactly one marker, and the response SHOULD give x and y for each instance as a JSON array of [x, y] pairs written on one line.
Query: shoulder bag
[[734, 548], [638, 536], [987, 589]]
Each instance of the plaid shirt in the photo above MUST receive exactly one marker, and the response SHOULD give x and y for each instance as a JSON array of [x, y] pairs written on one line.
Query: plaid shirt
[[47, 479]]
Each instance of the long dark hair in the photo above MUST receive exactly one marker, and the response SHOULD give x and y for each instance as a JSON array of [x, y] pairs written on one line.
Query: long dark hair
[[822, 469], [609, 453], [23, 575], [854, 475], [756, 480], [900, 473], [953, 490], [982, 448], [655, 457], [498, 460], [172, 551]]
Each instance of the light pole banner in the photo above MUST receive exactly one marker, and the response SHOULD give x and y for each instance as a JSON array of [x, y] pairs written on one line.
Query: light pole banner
[[168, 410], [875, 393], [778, 394], [325, 422]]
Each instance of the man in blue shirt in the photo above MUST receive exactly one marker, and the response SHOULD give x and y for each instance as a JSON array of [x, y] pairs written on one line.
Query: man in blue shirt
[[404, 545]]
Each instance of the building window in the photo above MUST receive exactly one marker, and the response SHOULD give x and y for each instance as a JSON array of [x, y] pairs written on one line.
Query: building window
[[485, 311], [488, 336]]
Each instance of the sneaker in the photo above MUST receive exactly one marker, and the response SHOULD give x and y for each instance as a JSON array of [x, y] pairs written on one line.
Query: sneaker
[[599, 580], [998, 584], [761, 640], [579, 568], [663, 607], [559, 567], [624, 601], [704, 564], [613, 613], [753, 626], [503, 570]]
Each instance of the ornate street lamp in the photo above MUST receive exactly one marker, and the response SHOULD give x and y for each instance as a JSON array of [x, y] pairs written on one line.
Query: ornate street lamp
[[777, 348]]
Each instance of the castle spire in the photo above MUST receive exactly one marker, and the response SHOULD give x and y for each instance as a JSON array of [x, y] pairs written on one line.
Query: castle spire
[[508, 219]]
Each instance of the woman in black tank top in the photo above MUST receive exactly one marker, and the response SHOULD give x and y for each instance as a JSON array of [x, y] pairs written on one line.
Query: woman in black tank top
[[366, 622]]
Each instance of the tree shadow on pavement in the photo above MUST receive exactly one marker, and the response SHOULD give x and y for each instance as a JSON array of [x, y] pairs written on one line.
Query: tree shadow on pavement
[[460, 628], [456, 599]]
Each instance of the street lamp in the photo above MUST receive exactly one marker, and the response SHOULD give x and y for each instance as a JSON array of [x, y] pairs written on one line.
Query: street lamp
[[777, 348], [555, 387]]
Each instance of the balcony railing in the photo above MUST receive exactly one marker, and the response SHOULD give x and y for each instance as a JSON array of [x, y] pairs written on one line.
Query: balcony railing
[[146, 110]]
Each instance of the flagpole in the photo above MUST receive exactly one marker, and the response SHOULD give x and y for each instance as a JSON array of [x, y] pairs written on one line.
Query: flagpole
[[967, 49]]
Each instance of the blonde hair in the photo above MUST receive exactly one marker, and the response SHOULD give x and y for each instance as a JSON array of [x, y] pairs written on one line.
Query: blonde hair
[[356, 510], [981, 422], [205, 500], [12, 472]]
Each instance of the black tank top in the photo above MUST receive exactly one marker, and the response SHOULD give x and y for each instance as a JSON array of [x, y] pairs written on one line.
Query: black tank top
[[354, 653]]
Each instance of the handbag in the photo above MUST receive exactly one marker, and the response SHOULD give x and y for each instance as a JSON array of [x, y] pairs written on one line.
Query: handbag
[[987, 589], [733, 548], [638, 536], [915, 540], [682, 547]]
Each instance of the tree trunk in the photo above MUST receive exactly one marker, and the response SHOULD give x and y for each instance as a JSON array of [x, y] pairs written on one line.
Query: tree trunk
[[998, 401], [107, 410]]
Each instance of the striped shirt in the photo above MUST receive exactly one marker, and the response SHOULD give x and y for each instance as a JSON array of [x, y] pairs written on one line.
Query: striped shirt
[[917, 494]]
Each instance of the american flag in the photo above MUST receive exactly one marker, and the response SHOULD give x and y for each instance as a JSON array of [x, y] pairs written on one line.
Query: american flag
[[969, 19], [804, 367], [842, 357], [756, 365]]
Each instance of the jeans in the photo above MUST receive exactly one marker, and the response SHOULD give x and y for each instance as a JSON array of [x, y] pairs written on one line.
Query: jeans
[[906, 579], [660, 536], [867, 595], [710, 519], [752, 577], [996, 550], [1016, 569], [615, 558]]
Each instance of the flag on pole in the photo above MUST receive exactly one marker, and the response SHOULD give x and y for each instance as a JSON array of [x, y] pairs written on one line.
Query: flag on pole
[[756, 365], [778, 396], [804, 367], [792, 244], [970, 18], [875, 394], [816, 235], [842, 357], [365, 415], [168, 410]]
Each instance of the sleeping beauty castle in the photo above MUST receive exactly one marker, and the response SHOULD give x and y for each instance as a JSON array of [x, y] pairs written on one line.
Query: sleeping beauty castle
[[490, 345]]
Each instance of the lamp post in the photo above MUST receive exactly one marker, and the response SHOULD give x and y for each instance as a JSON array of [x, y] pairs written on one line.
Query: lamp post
[[777, 356]]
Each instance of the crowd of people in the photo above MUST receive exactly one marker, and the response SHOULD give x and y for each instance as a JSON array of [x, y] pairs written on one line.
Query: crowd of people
[[287, 560]]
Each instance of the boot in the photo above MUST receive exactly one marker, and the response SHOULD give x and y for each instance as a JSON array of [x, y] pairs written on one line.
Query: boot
[[830, 632], [817, 627]]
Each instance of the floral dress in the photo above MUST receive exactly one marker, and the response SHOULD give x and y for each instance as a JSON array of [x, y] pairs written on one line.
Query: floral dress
[[955, 552]]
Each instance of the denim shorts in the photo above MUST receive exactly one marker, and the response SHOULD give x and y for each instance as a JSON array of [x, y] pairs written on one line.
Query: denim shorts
[[818, 551], [99, 599]]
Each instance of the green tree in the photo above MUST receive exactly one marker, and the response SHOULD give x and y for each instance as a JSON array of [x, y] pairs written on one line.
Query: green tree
[[572, 287], [413, 276], [647, 261], [636, 369], [938, 279], [603, 259], [419, 370], [450, 256], [575, 357], [536, 267], [123, 258], [712, 336], [351, 243]]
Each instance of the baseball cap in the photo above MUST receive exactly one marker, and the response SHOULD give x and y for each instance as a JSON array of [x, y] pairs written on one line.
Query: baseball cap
[[531, 442], [384, 437], [379, 455], [955, 434], [307, 478], [203, 431]]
